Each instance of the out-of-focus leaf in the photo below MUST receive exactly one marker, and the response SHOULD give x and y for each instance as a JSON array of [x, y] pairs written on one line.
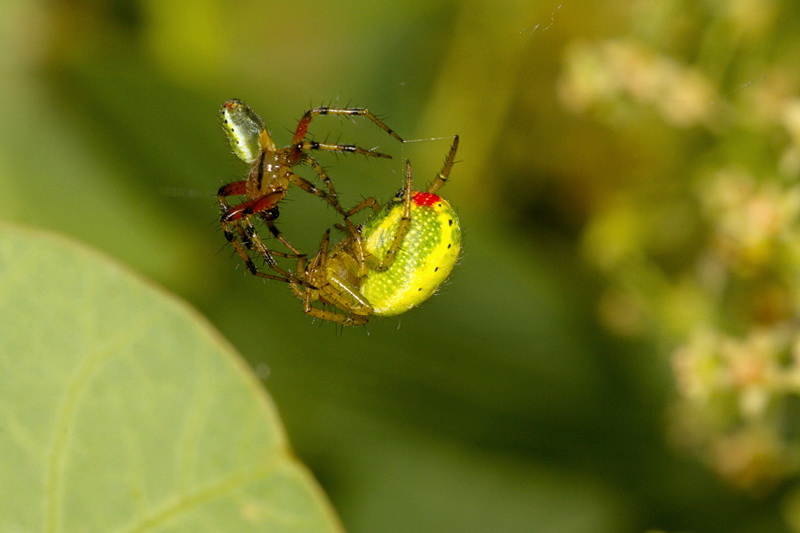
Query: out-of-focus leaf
[[123, 410]]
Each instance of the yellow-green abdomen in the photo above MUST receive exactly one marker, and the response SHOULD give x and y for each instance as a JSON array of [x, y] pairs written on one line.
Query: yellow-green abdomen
[[425, 259]]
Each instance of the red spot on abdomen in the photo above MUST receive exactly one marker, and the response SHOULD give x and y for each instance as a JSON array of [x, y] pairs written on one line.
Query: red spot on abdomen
[[426, 198]]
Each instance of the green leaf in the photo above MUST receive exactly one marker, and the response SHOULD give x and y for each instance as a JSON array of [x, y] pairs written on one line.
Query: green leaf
[[122, 409]]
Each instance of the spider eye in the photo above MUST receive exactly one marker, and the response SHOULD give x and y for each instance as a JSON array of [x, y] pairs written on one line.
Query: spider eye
[[243, 128]]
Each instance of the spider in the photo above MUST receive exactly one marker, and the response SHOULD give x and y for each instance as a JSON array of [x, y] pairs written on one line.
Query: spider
[[270, 175], [395, 261]]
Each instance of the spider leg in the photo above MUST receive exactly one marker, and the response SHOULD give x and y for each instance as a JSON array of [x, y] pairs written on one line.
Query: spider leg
[[303, 146], [253, 240], [302, 126], [235, 233], [231, 189], [269, 258], [402, 227], [310, 161], [352, 309], [328, 290], [333, 316], [311, 272], [357, 243], [366, 202], [348, 298], [243, 244], [329, 196], [261, 204], [405, 220], [442, 176], [355, 246], [278, 235], [238, 228], [257, 243]]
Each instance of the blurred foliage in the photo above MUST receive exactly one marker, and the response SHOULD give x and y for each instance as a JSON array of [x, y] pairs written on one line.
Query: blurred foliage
[[628, 189], [705, 253], [124, 409]]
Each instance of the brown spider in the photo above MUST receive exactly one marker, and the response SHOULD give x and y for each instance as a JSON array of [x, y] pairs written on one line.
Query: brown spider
[[270, 175]]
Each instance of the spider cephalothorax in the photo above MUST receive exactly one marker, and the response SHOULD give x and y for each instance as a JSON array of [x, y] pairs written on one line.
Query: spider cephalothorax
[[271, 173]]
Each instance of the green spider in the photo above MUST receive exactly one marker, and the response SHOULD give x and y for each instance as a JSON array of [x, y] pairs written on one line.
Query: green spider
[[392, 263]]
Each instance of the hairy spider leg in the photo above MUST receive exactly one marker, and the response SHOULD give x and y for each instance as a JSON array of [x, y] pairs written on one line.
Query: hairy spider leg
[[441, 178], [302, 126], [330, 196], [268, 255], [234, 217], [238, 228], [240, 232], [405, 221], [249, 207], [269, 220], [301, 144], [407, 195], [339, 293]]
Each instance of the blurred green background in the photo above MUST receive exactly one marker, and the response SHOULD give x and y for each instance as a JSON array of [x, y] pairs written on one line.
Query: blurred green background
[[627, 188]]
